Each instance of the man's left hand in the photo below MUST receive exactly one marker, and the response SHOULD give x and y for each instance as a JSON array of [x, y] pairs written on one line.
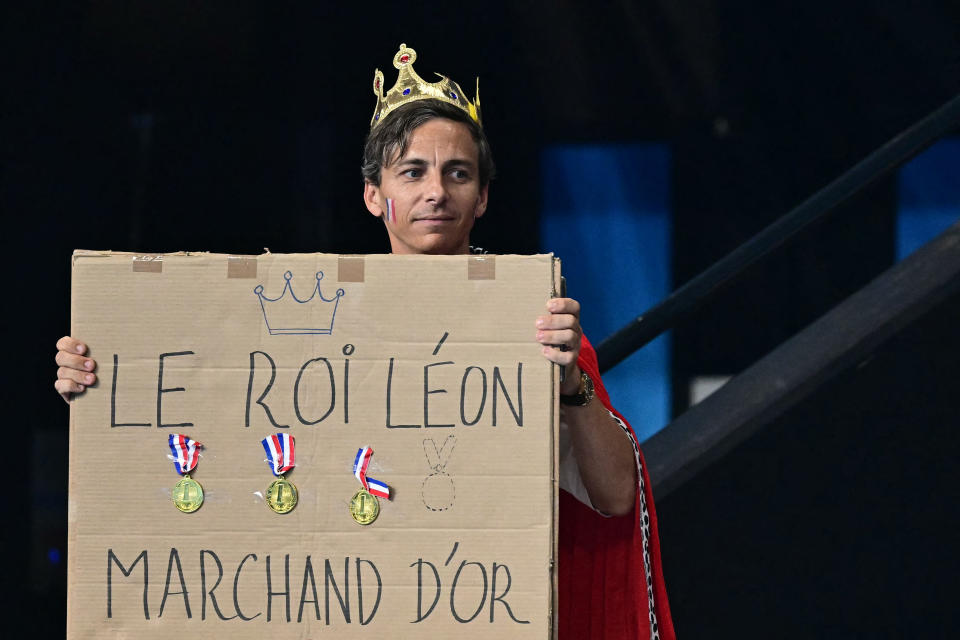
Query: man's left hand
[[559, 332]]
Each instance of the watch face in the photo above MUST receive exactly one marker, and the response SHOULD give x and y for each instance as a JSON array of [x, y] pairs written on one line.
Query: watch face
[[587, 389], [584, 394]]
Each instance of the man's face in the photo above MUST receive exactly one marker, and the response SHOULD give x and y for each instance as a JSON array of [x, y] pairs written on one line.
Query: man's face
[[430, 197]]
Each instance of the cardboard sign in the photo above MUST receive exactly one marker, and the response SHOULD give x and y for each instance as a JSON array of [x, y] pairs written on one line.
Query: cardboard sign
[[430, 362]]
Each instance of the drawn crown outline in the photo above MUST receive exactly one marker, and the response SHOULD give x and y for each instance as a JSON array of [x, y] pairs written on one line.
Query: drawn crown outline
[[295, 316]]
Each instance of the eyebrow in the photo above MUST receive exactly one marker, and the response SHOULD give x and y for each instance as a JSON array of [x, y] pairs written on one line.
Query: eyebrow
[[420, 162], [416, 162]]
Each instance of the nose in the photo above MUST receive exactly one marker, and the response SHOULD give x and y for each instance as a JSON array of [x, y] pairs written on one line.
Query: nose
[[435, 188]]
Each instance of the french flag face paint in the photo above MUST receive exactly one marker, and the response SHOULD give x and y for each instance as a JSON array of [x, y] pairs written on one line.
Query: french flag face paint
[[391, 210]]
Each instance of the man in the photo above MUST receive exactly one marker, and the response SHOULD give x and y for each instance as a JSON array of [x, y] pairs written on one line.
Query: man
[[427, 168]]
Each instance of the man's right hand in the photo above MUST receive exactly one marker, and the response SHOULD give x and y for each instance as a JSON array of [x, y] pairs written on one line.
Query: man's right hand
[[76, 369]]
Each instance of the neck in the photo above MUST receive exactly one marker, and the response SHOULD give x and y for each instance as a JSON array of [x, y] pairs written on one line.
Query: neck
[[398, 249]]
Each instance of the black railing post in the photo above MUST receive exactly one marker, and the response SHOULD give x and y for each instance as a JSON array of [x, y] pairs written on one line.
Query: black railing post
[[695, 293]]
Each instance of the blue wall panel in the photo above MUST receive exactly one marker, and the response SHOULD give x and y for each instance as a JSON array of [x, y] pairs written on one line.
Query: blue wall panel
[[606, 215], [928, 196]]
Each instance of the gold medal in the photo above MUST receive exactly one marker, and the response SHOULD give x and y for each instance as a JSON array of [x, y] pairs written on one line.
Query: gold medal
[[364, 507], [281, 495], [187, 494]]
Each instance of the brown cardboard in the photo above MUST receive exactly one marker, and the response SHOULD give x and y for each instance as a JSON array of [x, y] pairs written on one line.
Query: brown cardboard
[[472, 503]]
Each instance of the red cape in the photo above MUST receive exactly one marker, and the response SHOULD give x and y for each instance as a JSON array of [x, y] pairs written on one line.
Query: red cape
[[602, 583]]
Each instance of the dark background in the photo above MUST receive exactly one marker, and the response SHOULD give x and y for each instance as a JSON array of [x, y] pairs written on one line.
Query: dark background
[[234, 126]]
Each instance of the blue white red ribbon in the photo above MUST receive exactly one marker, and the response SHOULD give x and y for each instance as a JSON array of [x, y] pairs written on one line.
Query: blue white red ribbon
[[375, 487], [185, 452], [391, 210], [280, 452]]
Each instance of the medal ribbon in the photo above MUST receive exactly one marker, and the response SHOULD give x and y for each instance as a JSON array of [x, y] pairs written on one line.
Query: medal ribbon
[[280, 452], [375, 487], [185, 452]]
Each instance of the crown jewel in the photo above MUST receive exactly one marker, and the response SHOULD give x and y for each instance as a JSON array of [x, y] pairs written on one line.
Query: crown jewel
[[410, 87]]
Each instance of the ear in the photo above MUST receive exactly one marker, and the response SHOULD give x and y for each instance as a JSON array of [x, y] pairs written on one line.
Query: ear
[[372, 198], [481, 207]]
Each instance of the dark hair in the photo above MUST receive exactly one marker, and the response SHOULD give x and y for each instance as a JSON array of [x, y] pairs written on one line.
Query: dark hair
[[391, 137]]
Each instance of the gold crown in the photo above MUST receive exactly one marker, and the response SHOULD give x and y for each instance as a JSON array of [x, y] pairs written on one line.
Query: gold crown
[[410, 87]]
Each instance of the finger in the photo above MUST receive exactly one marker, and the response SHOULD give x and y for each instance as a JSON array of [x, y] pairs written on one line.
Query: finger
[[560, 357], [558, 321], [66, 343], [566, 337], [67, 387], [80, 377], [75, 361], [563, 305]]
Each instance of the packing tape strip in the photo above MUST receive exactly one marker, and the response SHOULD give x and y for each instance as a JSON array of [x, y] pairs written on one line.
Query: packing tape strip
[[241, 267], [148, 264], [350, 269], [481, 267]]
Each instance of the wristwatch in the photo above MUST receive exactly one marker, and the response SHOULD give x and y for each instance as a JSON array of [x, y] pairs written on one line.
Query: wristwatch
[[583, 396]]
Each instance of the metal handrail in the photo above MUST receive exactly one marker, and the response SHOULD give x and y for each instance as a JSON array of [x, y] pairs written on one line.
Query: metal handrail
[[698, 291]]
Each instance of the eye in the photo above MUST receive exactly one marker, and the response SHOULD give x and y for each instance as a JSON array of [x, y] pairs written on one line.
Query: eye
[[460, 174], [412, 173]]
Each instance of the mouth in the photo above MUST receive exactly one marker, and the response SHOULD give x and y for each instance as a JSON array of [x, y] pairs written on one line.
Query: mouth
[[435, 219]]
